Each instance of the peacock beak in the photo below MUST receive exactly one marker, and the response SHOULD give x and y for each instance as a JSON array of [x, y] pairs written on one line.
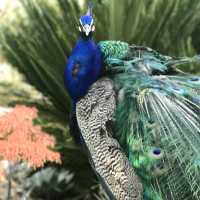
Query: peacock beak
[[87, 29]]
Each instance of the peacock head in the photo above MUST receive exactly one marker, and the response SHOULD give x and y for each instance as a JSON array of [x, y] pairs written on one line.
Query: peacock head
[[86, 23]]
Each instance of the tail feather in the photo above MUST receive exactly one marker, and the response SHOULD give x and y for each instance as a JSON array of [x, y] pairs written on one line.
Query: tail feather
[[157, 119], [162, 112]]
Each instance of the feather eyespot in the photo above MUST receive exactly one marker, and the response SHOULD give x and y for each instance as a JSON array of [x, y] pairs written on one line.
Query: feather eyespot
[[194, 79], [155, 153]]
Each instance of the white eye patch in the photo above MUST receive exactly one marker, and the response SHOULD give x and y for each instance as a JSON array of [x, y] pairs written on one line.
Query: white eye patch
[[93, 28]]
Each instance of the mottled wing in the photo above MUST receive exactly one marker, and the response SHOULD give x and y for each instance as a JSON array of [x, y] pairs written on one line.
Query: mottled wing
[[95, 114]]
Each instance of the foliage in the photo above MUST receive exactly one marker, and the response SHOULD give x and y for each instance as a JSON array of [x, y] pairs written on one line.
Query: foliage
[[63, 186], [196, 38], [38, 184], [14, 174]]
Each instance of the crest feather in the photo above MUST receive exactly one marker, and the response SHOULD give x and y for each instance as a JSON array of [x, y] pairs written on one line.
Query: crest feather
[[90, 7]]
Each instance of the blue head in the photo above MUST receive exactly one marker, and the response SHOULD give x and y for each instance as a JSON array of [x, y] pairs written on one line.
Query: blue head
[[85, 62], [86, 23]]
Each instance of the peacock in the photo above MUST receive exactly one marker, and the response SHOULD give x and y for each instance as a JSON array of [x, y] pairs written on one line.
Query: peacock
[[137, 115]]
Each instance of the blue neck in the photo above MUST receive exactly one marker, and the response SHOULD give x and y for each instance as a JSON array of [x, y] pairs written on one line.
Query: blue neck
[[83, 68]]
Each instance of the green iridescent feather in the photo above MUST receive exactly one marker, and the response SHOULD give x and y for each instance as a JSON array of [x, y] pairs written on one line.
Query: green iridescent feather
[[114, 49], [157, 119]]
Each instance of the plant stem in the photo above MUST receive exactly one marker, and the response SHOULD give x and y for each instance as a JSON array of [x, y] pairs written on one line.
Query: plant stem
[[9, 184]]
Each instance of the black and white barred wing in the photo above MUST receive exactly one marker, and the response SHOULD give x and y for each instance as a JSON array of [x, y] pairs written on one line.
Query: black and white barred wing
[[94, 114]]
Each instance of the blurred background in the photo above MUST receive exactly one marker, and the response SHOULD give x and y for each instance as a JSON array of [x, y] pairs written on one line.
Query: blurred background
[[36, 37]]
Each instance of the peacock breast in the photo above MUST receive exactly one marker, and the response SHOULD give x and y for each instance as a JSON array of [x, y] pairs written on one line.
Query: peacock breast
[[82, 69]]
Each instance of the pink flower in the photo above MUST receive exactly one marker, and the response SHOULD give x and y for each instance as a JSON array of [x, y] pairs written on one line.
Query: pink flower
[[21, 140]]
